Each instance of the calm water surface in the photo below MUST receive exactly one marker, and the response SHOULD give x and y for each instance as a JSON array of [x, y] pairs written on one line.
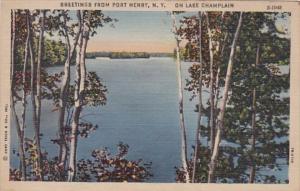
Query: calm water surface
[[141, 111]]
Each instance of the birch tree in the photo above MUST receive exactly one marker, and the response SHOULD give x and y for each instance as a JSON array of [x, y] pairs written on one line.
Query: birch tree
[[198, 130], [33, 95], [180, 97], [220, 122], [36, 93], [91, 20], [24, 88], [66, 83], [261, 116], [250, 148], [76, 114], [19, 122], [211, 58]]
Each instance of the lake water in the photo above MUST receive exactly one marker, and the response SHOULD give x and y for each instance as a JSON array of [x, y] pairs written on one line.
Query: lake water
[[141, 111]]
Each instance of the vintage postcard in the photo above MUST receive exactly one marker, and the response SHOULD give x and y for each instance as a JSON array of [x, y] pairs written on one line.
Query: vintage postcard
[[149, 95]]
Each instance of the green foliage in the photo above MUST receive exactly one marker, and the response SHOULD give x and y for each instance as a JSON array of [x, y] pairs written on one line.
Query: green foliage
[[57, 22], [54, 50], [102, 167], [55, 53], [272, 95], [96, 19], [272, 102], [94, 93], [236, 155], [123, 55], [105, 167]]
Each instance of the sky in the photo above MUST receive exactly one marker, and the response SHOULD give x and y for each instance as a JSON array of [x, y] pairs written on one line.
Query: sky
[[136, 32], [142, 31]]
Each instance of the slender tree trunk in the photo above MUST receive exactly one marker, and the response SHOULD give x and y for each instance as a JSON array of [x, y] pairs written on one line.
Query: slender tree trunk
[[24, 103], [85, 39], [218, 73], [37, 167], [79, 97], [220, 122], [36, 96], [180, 96], [75, 122], [64, 87], [73, 144], [13, 46], [211, 86], [39, 67], [19, 125], [13, 50], [198, 130], [217, 87], [253, 125], [21, 149]]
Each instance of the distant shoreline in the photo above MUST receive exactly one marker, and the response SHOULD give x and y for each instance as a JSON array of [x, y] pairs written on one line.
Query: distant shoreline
[[119, 58], [126, 55]]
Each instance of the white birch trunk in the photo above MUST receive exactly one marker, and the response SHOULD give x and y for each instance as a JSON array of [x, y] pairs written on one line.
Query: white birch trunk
[[180, 96], [73, 136], [79, 97], [64, 87], [218, 73], [24, 103], [37, 166], [19, 124], [37, 96], [220, 122], [13, 46], [198, 130]]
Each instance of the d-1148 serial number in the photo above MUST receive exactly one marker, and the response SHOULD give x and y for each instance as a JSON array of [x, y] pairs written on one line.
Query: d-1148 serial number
[[274, 7]]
